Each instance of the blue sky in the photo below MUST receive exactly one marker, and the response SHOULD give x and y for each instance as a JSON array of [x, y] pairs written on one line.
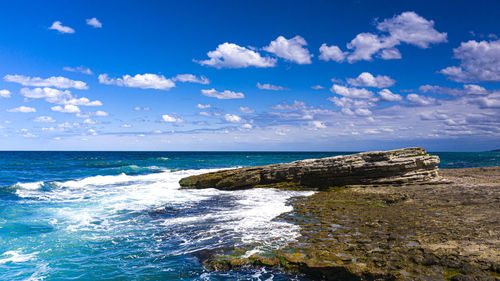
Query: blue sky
[[254, 75]]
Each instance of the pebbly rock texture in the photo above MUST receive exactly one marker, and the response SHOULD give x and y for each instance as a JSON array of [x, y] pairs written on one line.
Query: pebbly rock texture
[[377, 167]]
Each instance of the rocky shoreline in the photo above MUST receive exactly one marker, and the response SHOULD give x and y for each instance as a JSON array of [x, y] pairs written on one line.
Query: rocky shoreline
[[447, 231], [442, 228]]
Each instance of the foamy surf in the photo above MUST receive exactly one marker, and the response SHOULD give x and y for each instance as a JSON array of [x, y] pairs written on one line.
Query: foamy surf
[[99, 224], [16, 257], [106, 204]]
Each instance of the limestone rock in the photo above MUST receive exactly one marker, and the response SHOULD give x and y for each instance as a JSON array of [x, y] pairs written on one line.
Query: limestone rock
[[376, 167]]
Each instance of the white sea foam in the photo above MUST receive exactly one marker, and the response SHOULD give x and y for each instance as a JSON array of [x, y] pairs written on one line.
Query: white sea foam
[[105, 205], [16, 257], [251, 220], [29, 185]]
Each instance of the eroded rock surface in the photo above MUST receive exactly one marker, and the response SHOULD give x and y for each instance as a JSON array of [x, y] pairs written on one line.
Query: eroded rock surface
[[377, 167], [445, 231]]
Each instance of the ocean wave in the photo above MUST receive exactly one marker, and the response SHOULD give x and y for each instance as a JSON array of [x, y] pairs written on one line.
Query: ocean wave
[[126, 211], [29, 185], [134, 170], [251, 220]]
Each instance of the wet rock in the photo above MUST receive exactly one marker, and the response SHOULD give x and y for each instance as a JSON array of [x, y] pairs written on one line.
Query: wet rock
[[353, 234], [377, 167]]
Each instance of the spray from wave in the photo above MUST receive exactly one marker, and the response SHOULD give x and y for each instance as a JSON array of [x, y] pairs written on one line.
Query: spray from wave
[[100, 207]]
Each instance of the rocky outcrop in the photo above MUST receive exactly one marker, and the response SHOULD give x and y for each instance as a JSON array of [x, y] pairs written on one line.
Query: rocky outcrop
[[377, 167], [447, 231]]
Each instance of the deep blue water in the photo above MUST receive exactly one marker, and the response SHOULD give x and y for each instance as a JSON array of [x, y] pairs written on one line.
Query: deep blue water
[[122, 216]]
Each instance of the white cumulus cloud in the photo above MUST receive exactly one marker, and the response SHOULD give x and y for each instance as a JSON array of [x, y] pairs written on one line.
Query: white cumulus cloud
[[69, 108], [170, 119], [22, 109], [407, 27], [100, 113], [94, 22], [351, 92], [413, 29], [57, 96], [57, 25], [480, 61], [290, 49], [5, 93], [366, 79], [230, 55], [143, 81], [387, 95], [331, 53], [365, 45], [232, 118]]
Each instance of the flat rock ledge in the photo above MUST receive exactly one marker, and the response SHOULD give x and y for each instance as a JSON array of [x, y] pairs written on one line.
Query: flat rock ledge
[[401, 166]]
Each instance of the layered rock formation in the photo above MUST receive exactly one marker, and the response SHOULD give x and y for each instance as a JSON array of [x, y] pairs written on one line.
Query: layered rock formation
[[377, 167]]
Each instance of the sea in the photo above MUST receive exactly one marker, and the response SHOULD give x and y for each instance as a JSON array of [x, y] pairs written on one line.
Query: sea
[[123, 216]]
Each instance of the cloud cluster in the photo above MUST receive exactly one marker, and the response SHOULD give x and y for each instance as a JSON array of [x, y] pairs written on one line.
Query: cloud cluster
[[68, 108], [57, 96], [479, 62], [408, 27], [468, 90], [54, 81], [356, 93], [366, 79], [230, 55], [143, 81]]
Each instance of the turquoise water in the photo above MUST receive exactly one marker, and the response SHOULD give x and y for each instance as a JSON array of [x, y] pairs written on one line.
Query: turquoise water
[[122, 216]]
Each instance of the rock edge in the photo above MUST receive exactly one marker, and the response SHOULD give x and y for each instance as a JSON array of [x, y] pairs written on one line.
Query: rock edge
[[399, 166]]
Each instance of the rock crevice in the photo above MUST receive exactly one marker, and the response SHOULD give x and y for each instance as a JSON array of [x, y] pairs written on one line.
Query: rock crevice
[[399, 166]]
